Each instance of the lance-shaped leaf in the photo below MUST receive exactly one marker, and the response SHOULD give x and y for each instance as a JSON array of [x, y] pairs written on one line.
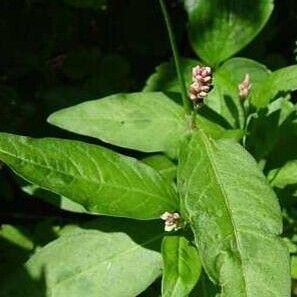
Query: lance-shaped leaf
[[97, 178], [182, 266], [235, 218], [282, 80], [220, 28], [284, 176], [93, 261], [149, 122]]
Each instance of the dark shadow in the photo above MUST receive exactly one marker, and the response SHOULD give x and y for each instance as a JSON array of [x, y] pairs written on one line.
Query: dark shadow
[[213, 116], [15, 280], [204, 111], [204, 285], [176, 97], [149, 234], [233, 109], [287, 196], [153, 290], [22, 285], [285, 146], [263, 133]]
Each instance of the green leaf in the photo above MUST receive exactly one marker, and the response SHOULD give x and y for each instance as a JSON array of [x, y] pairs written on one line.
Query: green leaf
[[294, 267], [163, 165], [15, 236], [235, 218], [224, 98], [114, 260], [284, 176], [182, 266], [282, 80], [218, 29], [148, 122], [100, 180]]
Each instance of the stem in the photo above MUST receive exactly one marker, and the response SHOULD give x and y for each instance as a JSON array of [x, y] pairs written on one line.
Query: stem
[[247, 118], [193, 116], [186, 102]]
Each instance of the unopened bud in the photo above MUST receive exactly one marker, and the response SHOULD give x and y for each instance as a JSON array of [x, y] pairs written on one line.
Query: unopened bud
[[201, 84], [244, 87], [172, 221]]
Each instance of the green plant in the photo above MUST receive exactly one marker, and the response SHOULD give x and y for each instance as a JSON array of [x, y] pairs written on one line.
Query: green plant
[[210, 178]]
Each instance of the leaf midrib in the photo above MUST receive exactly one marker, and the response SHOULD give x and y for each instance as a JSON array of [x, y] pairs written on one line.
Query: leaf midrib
[[178, 278], [103, 182], [227, 204]]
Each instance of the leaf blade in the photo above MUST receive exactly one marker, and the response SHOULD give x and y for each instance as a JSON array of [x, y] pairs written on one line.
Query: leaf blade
[[219, 29], [148, 122], [182, 266], [97, 178], [235, 219], [87, 260], [281, 80]]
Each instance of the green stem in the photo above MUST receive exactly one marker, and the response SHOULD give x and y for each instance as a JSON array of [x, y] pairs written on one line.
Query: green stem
[[186, 102], [193, 117], [197, 106], [247, 118]]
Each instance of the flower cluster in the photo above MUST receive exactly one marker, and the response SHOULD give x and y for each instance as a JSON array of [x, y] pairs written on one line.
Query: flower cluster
[[244, 87], [201, 83], [172, 221]]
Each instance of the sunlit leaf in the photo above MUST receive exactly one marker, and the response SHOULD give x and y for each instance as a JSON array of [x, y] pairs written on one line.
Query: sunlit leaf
[[182, 266], [100, 180], [235, 218], [282, 80]]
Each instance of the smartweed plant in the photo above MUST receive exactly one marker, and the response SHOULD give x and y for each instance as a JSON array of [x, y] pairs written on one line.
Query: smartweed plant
[[199, 207]]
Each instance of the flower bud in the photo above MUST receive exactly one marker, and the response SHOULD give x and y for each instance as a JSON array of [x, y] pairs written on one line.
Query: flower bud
[[201, 84], [244, 87]]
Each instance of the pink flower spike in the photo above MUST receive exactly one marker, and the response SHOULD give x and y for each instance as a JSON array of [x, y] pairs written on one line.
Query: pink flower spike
[[201, 83]]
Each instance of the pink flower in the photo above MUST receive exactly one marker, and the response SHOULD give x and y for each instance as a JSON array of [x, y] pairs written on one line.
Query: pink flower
[[172, 221], [201, 83]]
